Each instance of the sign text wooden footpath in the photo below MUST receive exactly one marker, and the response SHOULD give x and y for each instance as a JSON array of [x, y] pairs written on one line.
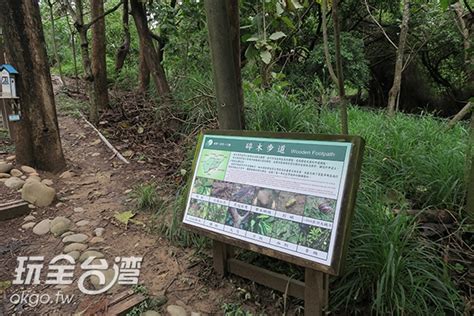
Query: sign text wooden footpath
[[288, 196]]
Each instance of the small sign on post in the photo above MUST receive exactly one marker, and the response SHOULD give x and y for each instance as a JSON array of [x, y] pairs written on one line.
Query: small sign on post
[[8, 76], [288, 196]]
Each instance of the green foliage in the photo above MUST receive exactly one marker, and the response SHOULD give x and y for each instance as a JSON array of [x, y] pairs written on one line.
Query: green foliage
[[147, 197], [235, 310], [401, 273]]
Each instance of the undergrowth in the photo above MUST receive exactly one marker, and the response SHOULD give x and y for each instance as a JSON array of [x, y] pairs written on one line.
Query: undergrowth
[[410, 162]]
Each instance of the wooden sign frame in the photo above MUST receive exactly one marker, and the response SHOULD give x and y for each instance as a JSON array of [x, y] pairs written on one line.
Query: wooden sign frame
[[315, 288]]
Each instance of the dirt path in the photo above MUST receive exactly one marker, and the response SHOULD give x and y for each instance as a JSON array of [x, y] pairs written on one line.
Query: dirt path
[[95, 189]]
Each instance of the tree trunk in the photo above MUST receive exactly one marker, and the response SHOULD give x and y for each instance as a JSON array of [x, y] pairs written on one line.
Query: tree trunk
[[223, 65], [234, 20], [99, 65], [397, 77], [73, 49], [125, 47], [339, 73], [37, 133], [327, 56], [144, 72], [151, 54], [55, 46]]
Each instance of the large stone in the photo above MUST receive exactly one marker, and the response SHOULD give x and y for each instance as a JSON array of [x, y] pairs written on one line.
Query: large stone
[[14, 183], [33, 178], [42, 227], [16, 173], [91, 253], [60, 225], [29, 218], [28, 169], [75, 238], [38, 193], [10, 158], [28, 225], [4, 175], [5, 167], [175, 310], [75, 246], [150, 313]]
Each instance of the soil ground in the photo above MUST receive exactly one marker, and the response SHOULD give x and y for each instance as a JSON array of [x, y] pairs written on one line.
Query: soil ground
[[101, 187]]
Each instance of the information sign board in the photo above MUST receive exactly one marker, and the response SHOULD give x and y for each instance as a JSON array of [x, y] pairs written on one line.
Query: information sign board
[[288, 196]]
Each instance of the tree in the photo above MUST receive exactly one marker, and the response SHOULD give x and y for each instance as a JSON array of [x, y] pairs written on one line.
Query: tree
[[53, 39], [76, 10], [124, 49], [99, 66], [394, 92], [338, 76], [152, 55], [37, 133], [223, 65]]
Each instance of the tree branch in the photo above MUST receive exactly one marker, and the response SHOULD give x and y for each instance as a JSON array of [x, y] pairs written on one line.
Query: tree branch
[[88, 25], [380, 26]]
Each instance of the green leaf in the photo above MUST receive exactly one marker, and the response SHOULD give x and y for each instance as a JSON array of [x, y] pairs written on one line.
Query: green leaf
[[124, 217], [253, 38], [288, 22], [277, 35], [279, 9], [266, 56], [444, 4], [251, 52]]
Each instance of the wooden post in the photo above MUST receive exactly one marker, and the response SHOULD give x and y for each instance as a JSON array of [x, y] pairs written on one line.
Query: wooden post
[[316, 292], [220, 253]]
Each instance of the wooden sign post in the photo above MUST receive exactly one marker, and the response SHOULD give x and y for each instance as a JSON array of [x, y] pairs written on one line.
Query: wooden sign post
[[288, 196]]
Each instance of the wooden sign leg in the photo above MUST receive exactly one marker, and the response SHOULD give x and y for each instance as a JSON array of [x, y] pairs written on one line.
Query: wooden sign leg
[[220, 253], [316, 292]]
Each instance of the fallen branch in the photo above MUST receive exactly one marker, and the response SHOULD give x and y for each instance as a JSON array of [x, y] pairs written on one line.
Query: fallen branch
[[106, 142], [466, 109]]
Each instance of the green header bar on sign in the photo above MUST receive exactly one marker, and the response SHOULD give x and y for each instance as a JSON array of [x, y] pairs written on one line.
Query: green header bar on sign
[[278, 147]]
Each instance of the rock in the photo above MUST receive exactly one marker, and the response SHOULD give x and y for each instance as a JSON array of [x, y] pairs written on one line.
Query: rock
[[4, 175], [48, 182], [95, 154], [60, 225], [96, 240], [28, 169], [150, 313], [38, 193], [59, 204], [99, 231], [90, 253], [33, 178], [29, 218], [28, 225], [75, 238], [67, 174], [75, 246], [23, 177], [83, 222], [16, 173], [5, 167], [42, 227], [109, 275], [74, 254], [78, 210], [31, 206], [14, 183], [10, 158], [67, 234], [175, 310], [195, 314]]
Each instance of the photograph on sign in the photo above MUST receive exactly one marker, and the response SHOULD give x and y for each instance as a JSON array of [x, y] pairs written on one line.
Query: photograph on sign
[[282, 194]]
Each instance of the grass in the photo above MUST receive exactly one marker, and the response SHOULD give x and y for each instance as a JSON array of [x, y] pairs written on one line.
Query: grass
[[410, 162], [146, 197]]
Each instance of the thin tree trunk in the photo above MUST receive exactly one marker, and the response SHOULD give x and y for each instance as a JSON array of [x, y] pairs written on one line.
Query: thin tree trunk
[[99, 65], [459, 116], [74, 56], [88, 74], [394, 92], [223, 65], [151, 54], [340, 75], [125, 47], [37, 137], [327, 56], [144, 72], [234, 20], [55, 46]]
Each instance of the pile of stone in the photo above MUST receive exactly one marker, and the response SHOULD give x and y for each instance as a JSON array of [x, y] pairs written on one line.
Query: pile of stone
[[28, 182]]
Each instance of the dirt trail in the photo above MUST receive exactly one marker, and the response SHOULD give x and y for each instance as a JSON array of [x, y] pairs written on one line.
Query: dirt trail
[[99, 183]]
